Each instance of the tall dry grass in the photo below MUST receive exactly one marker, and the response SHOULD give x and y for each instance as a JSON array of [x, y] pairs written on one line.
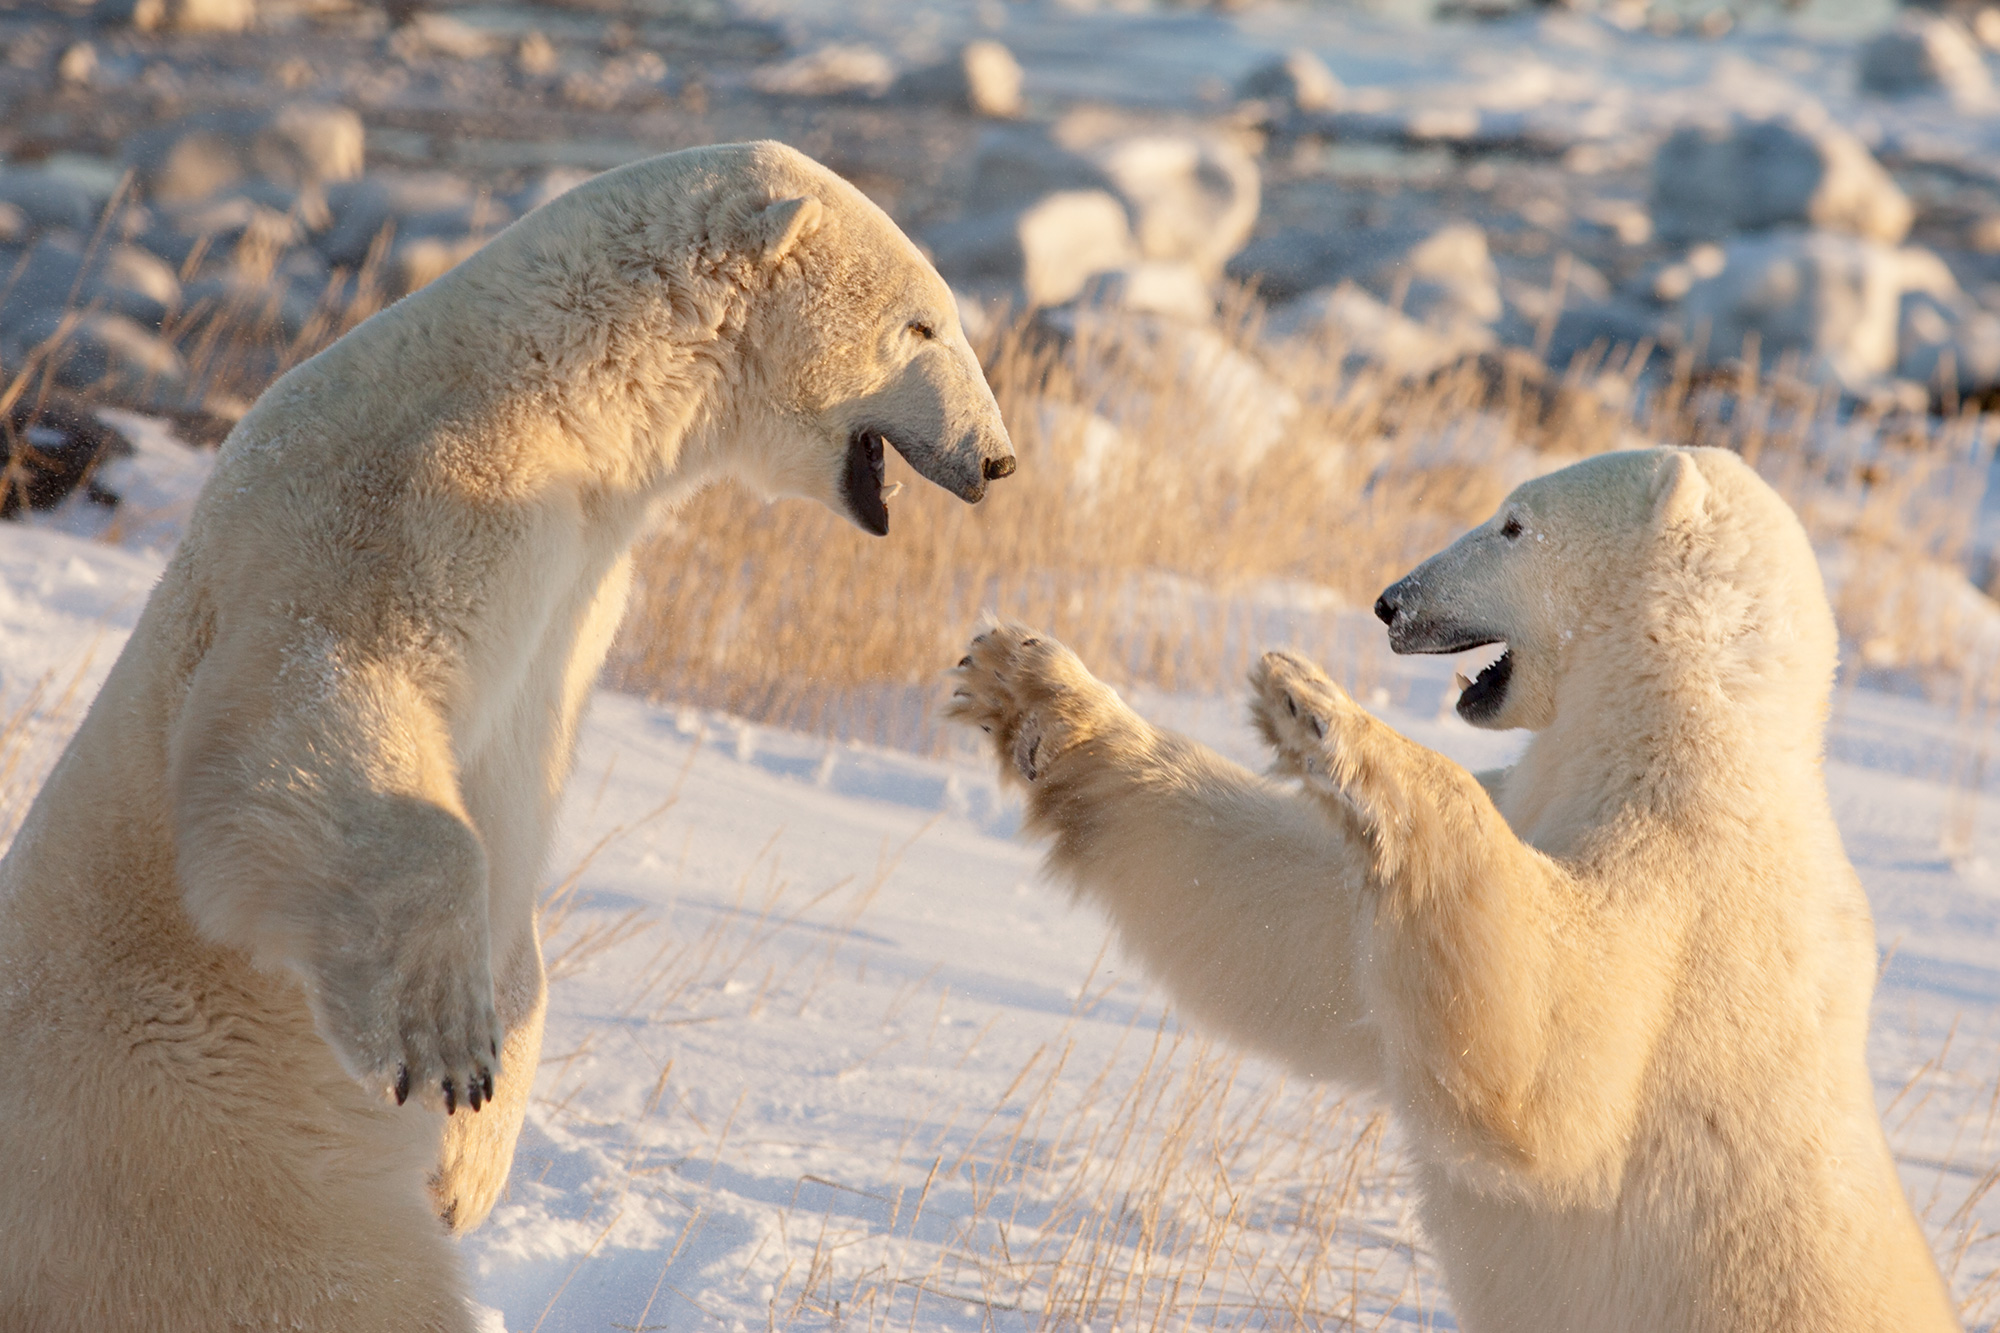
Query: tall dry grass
[[1188, 497]]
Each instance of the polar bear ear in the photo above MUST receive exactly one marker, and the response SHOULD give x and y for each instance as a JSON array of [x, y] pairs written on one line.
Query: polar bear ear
[[777, 227], [1679, 492]]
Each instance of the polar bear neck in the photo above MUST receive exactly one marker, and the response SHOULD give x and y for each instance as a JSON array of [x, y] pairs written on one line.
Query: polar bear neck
[[1703, 688]]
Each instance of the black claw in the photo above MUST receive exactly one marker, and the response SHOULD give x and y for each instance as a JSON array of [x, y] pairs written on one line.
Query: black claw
[[966, 660], [472, 1097], [988, 730], [486, 1081], [1290, 706], [402, 1084], [450, 1098], [493, 1045], [1319, 727], [1029, 643]]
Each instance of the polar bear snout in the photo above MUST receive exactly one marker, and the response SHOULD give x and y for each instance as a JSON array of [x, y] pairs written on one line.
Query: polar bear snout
[[1420, 622]]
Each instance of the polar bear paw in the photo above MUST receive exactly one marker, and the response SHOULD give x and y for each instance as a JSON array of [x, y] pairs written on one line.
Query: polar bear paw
[[1303, 716], [1026, 691], [417, 1027]]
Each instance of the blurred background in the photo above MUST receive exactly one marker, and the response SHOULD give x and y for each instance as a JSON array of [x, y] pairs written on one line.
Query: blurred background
[[1293, 290]]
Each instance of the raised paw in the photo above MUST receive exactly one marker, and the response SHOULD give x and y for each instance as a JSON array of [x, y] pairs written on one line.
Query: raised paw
[[1299, 712], [1026, 691]]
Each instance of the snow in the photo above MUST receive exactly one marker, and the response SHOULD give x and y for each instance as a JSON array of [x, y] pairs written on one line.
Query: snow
[[823, 1050]]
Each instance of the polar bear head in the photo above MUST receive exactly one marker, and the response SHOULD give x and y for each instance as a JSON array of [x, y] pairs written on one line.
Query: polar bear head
[[776, 324], [1627, 570]]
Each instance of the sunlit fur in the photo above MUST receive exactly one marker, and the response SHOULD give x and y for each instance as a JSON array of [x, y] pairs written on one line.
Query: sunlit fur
[[296, 843], [1616, 995]]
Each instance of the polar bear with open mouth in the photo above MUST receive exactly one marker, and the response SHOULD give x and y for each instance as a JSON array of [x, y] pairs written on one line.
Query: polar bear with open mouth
[[283, 879], [1617, 995]]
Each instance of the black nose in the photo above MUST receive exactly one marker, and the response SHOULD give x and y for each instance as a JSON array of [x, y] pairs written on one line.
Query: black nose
[[1385, 610], [997, 468]]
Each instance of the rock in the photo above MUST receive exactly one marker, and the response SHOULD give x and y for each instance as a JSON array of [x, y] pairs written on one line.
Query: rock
[[298, 145], [536, 56], [423, 259], [77, 66], [182, 15], [1608, 328], [1177, 291], [1190, 197], [53, 275], [1296, 81], [220, 226], [1926, 53], [66, 442], [551, 184], [1193, 200], [1448, 277], [1370, 332], [1832, 303], [97, 350], [48, 201], [240, 300], [429, 34], [1046, 250], [1714, 180], [1442, 275], [362, 208], [840, 69], [984, 78]]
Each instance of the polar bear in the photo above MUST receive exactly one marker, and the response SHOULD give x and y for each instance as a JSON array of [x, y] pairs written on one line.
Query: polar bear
[[1617, 994], [283, 878]]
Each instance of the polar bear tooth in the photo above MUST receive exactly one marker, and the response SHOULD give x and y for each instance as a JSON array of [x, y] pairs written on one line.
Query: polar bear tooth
[[1458, 679], [890, 489]]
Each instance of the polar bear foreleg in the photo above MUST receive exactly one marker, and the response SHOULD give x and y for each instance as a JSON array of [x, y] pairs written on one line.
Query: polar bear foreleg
[[325, 834], [1492, 969], [1234, 893]]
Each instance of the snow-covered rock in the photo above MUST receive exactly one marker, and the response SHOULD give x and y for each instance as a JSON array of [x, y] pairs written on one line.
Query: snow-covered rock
[[835, 70], [56, 272], [1296, 81], [1191, 197], [417, 202], [47, 200], [94, 349], [1710, 181], [1154, 287], [182, 15], [1368, 331], [1926, 53], [297, 145], [1832, 302], [1046, 251], [1440, 274], [983, 78]]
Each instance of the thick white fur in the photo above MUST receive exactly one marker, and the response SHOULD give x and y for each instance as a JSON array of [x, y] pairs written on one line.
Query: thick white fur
[[293, 850], [1618, 1005]]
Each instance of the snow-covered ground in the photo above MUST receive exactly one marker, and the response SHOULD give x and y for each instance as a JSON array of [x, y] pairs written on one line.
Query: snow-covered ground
[[822, 1051]]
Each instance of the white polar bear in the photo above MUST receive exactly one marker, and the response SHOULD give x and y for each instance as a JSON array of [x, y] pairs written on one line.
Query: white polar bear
[[1617, 994], [284, 876]]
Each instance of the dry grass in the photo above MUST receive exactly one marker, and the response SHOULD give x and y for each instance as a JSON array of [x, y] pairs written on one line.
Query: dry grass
[[1185, 499]]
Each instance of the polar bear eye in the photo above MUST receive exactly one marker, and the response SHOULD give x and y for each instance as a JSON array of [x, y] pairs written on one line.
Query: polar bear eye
[[923, 329], [1511, 528]]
